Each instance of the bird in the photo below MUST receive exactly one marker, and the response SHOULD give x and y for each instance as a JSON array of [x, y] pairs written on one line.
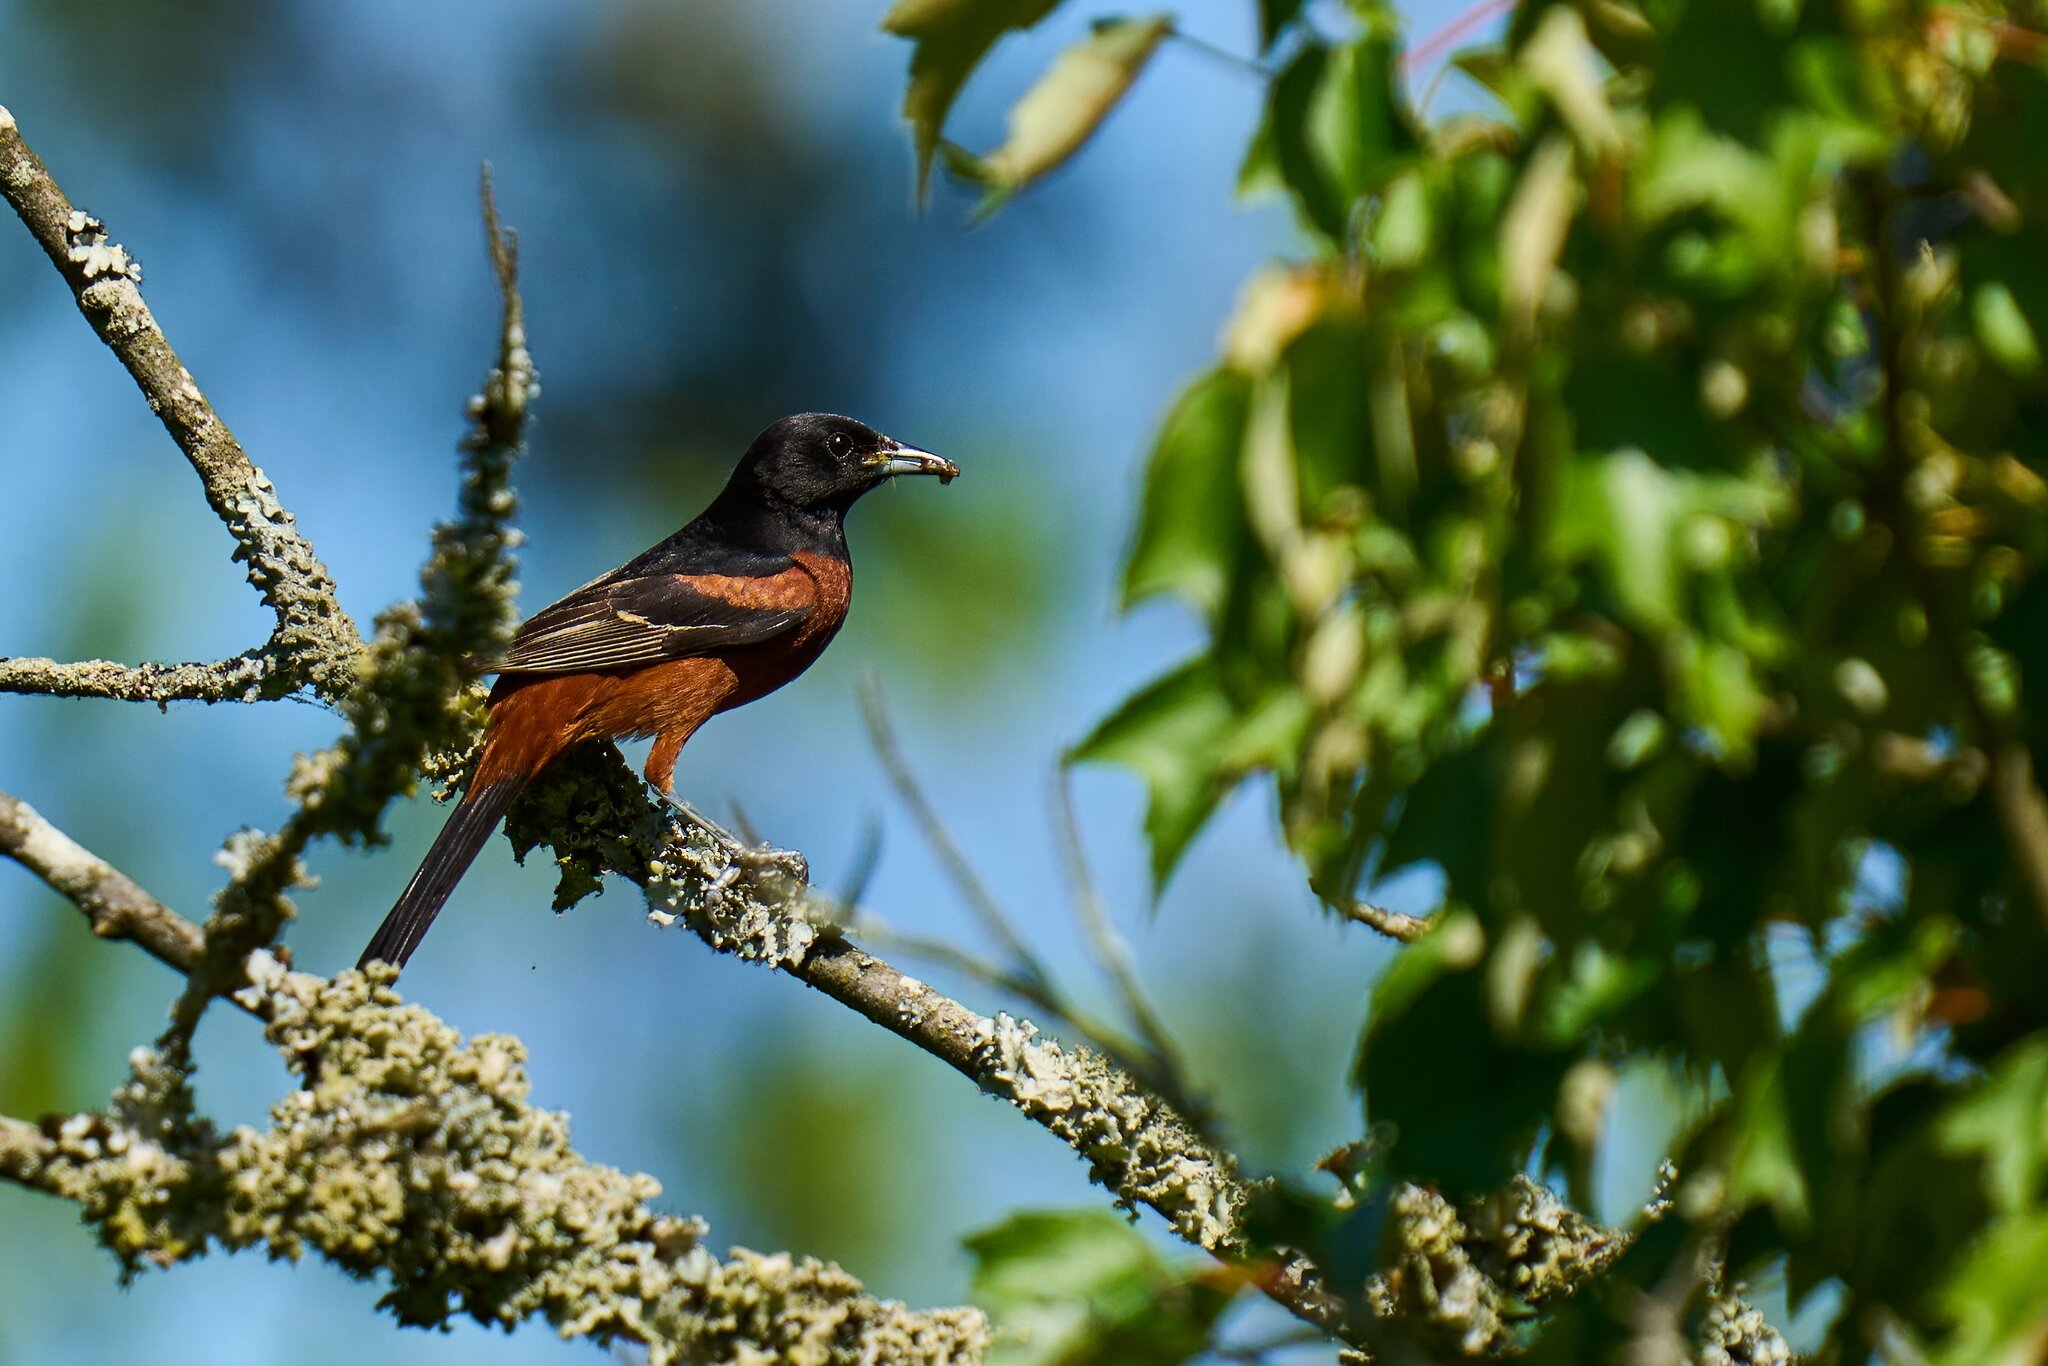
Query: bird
[[725, 611]]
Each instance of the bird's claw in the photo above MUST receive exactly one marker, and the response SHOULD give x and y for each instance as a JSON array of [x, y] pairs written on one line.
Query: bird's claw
[[787, 862], [742, 858]]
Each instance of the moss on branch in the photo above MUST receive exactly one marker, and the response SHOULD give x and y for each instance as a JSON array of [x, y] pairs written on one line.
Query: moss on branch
[[415, 1154]]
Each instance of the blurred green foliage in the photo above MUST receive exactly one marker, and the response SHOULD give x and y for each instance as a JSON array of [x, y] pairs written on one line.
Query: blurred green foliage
[[1075, 1288], [1633, 506]]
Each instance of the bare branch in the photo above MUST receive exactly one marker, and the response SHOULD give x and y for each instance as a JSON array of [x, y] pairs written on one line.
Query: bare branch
[[1393, 924], [972, 889], [114, 904], [315, 641], [1111, 952]]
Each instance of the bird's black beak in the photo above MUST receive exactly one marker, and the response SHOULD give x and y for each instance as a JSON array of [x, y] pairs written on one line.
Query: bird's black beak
[[894, 460]]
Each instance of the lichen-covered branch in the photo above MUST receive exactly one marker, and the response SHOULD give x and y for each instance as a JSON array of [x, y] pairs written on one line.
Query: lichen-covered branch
[[115, 906], [414, 701], [413, 1153], [598, 818], [1393, 924], [1455, 1278], [244, 678], [315, 642], [408, 1152], [23, 1150]]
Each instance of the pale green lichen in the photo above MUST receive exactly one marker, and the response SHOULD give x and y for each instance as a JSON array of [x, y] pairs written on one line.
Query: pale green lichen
[[413, 1153], [1735, 1333], [1135, 1146], [1537, 1247], [414, 702], [1450, 1274], [1430, 1281]]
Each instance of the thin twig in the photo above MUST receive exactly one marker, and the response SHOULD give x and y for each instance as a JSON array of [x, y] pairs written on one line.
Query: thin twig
[[315, 643], [1393, 924], [867, 857], [1471, 17], [1099, 1034], [113, 903], [972, 889], [1112, 954], [1244, 65]]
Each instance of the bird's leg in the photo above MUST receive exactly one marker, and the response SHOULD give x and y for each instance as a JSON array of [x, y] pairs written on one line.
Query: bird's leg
[[741, 857], [718, 833]]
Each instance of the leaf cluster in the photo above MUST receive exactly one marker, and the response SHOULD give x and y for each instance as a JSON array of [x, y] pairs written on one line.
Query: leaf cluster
[[1631, 509]]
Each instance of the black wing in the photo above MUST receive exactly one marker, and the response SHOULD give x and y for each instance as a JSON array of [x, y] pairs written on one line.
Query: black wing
[[619, 623]]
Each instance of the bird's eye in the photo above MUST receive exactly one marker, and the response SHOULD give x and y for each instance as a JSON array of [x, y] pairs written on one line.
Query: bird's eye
[[840, 445]]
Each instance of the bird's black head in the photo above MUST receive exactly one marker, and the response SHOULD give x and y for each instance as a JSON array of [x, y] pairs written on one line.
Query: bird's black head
[[816, 462]]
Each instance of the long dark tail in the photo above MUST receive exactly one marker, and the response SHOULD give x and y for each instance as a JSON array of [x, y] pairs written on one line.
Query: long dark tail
[[468, 827]]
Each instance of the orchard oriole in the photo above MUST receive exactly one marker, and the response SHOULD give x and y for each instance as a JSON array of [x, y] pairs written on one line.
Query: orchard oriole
[[728, 609]]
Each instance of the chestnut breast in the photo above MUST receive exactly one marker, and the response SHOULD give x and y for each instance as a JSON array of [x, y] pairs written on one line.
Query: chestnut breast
[[821, 583]]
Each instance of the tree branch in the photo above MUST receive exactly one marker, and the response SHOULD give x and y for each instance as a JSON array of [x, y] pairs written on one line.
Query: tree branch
[[1393, 924], [413, 1152], [23, 1151], [1113, 956], [315, 641], [413, 699], [241, 679], [115, 906], [972, 889], [597, 818]]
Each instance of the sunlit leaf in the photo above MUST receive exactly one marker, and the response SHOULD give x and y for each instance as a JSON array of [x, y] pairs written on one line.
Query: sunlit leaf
[[1563, 64], [1070, 101], [2004, 330], [1085, 1288], [951, 37], [1174, 734], [2006, 1122], [1532, 232], [1191, 526]]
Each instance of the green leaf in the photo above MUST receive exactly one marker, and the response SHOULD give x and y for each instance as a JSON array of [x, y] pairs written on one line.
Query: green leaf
[[1070, 102], [1174, 734], [1432, 1006], [1643, 524], [951, 37], [2004, 330], [1763, 1164], [1997, 1296], [1191, 527], [1562, 63], [1533, 230], [2006, 1122], [1336, 127], [1274, 17], [1080, 1287]]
